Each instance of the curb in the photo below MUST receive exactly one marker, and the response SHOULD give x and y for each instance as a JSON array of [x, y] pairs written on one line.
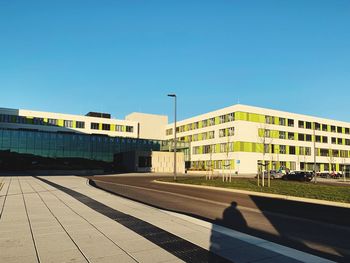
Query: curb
[[256, 241], [276, 196]]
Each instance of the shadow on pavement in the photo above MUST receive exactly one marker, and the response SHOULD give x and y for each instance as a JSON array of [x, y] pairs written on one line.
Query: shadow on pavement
[[308, 236]]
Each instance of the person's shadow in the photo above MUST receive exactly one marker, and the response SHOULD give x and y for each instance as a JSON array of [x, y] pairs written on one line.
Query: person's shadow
[[231, 218]]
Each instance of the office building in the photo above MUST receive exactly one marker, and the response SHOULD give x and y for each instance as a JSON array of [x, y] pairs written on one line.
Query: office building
[[239, 138]]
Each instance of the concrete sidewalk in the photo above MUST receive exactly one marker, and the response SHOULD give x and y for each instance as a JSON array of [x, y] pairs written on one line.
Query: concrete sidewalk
[[63, 219]]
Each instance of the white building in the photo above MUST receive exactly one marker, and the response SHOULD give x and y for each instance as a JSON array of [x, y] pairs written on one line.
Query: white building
[[136, 125], [234, 138]]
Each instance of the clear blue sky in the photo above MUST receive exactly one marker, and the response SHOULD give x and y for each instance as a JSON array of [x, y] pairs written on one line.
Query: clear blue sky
[[124, 56]]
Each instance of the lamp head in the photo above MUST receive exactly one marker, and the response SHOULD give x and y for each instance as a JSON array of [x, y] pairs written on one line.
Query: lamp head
[[172, 95]]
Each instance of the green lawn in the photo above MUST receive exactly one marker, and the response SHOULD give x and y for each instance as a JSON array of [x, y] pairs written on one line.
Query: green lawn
[[291, 188]]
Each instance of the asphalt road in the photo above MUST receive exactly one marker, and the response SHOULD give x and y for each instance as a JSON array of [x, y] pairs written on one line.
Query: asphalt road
[[320, 230]]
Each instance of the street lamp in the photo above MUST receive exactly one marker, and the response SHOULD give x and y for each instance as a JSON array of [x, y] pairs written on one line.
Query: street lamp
[[174, 96]]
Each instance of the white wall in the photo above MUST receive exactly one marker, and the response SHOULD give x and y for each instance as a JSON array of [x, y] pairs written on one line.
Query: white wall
[[152, 126], [163, 162]]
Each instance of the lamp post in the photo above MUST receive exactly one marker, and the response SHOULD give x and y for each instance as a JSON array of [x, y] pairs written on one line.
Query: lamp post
[[174, 96]]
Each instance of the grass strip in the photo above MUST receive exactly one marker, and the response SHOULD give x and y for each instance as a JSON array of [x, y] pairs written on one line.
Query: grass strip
[[291, 188]]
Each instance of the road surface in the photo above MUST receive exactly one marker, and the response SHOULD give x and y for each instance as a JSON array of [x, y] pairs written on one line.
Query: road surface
[[320, 230]]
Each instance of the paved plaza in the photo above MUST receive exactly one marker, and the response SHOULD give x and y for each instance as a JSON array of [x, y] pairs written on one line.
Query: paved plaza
[[64, 219]]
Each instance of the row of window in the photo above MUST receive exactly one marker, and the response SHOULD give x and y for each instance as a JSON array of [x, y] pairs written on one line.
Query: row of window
[[301, 137], [279, 121], [274, 165], [56, 145], [245, 116], [268, 148], [332, 153], [198, 137], [208, 135], [203, 123], [66, 123], [214, 164], [324, 127]]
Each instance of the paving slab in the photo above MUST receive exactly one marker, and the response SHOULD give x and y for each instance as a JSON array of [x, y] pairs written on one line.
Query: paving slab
[[63, 219]]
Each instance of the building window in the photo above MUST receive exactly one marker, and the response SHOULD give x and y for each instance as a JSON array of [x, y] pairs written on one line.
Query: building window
[[324, 139], [231, 116], [301, 124], [308, 151], [68, 124], [204, 136], [333, 128], [204, 123], [269, 119], [195, 137], [318, 138], [308, 137], [195, 125], [324, 152], [106, 127], [344, 154], [324, 127], [266, 133], [222, 119], [195, 150], [53, 122], [223, 147], [335, 153], [129, 128], [317, 126], [282, 121], [211, 135], [347, 141], [39, 121], [168, 131], [206, 148], [231, 131], [292, 150], [290, 123], [334, 140], [339, 129], [211, 122], [94, 126], [282, 149], [326, 166], [347, 131], [301, 137], [80, 124], [308, 125], [221, 132], [119, 128], [290, 135], [340, 141], [282, 134]]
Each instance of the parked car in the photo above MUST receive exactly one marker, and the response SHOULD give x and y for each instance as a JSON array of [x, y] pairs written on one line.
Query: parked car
[[335, 175], [299, 176], [273, 174], [323, 174]]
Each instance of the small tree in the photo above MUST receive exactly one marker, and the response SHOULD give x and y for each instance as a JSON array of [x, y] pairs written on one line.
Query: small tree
[[331, 160], [343, 160], [265, 139], [227, 165], [210, 171]]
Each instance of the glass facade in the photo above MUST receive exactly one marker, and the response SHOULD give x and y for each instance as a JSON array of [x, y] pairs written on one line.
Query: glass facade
[[71, 145]]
